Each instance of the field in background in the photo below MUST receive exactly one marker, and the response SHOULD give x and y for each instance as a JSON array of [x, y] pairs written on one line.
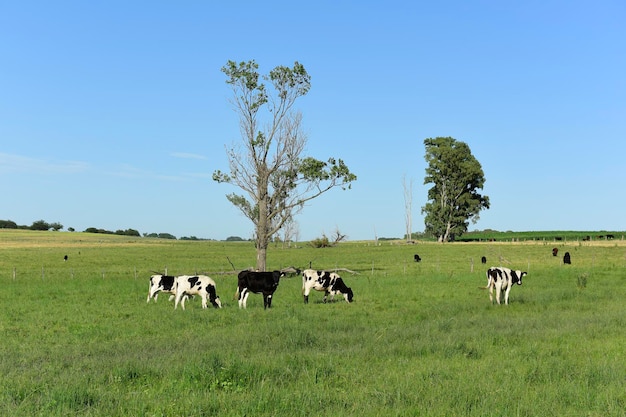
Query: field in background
[[547, 236], [77, 337]]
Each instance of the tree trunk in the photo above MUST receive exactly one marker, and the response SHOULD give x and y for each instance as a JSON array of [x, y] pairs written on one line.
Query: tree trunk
[[262, 242], [261, 256]]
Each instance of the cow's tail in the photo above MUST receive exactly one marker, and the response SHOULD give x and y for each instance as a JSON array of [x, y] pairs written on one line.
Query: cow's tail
[[488, 280], [236, 297]]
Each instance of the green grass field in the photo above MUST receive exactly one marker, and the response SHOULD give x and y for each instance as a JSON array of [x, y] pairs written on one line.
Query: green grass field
[[77, 338]]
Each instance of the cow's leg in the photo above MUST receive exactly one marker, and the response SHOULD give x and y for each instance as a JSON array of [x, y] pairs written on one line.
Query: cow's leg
[[203, 297], [506, 295], [178, 299], [325, 296], [498, 291], [269, 301], [243, 298], [239, 297], [307, 290], [491, 293], [153, 294]]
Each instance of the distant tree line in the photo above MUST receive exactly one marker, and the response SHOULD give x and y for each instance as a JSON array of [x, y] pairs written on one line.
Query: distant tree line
[[37, 225], [56, 226], [127, 232]]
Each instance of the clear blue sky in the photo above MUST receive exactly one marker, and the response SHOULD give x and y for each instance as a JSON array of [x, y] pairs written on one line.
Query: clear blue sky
[[115, 114]]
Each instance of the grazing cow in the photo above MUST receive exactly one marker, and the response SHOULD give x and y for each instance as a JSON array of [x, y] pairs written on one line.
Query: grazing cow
[[416, 258], [158, 283], [329, 282], [567, 259], [483, 260], [257, 282], [202, 285], [502, 279], [555, 251]]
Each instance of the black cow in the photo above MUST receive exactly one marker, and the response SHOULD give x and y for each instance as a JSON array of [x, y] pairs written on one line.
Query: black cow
[[555, 251], [257, 282], [483, 260], [566, 258], [416, 258]]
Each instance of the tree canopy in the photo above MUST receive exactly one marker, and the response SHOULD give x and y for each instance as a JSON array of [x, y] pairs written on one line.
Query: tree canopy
[[453, 199], [269, 167]]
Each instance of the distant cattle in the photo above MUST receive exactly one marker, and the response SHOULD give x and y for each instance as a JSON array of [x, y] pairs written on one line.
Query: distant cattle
[[416, 258], [257, 282], [502, 279], [65, 258], [555, 251], [161, 283], [329, 282], [566, 258], [202, 285], [483, 260]]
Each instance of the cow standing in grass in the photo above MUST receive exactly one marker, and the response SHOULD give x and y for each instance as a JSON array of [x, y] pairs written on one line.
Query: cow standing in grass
[[257, 282], [202, 285], [501, 280], [329, 282], [161, 283]]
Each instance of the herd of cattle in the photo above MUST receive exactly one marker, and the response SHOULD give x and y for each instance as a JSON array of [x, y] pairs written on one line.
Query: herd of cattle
[[499, 280], [183, 286]]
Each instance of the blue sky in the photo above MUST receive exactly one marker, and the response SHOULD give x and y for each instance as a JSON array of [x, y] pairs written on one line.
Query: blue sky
[[115, 114]]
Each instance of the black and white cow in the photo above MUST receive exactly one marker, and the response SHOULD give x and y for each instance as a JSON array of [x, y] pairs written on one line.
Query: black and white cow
[[257, 282], [502, 279], [202, 285], [329, 282], [161, 283]]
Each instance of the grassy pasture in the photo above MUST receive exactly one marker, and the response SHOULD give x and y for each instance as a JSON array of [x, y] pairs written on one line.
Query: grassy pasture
[[77, 337]]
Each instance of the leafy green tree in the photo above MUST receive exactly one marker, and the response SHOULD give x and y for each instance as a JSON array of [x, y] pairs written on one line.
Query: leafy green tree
[[128, 232], [40, 225], [8, 224], [56, 226], [453, 200], [269, 167]]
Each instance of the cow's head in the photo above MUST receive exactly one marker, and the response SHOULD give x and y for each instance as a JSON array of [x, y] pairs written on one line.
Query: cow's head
[[276, 276], [517, 277], [349, 294], [217, 303]]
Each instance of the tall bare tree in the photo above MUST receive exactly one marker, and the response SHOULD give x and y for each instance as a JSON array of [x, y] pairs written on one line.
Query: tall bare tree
[[290, 230], [408, 207], [268, 166]]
